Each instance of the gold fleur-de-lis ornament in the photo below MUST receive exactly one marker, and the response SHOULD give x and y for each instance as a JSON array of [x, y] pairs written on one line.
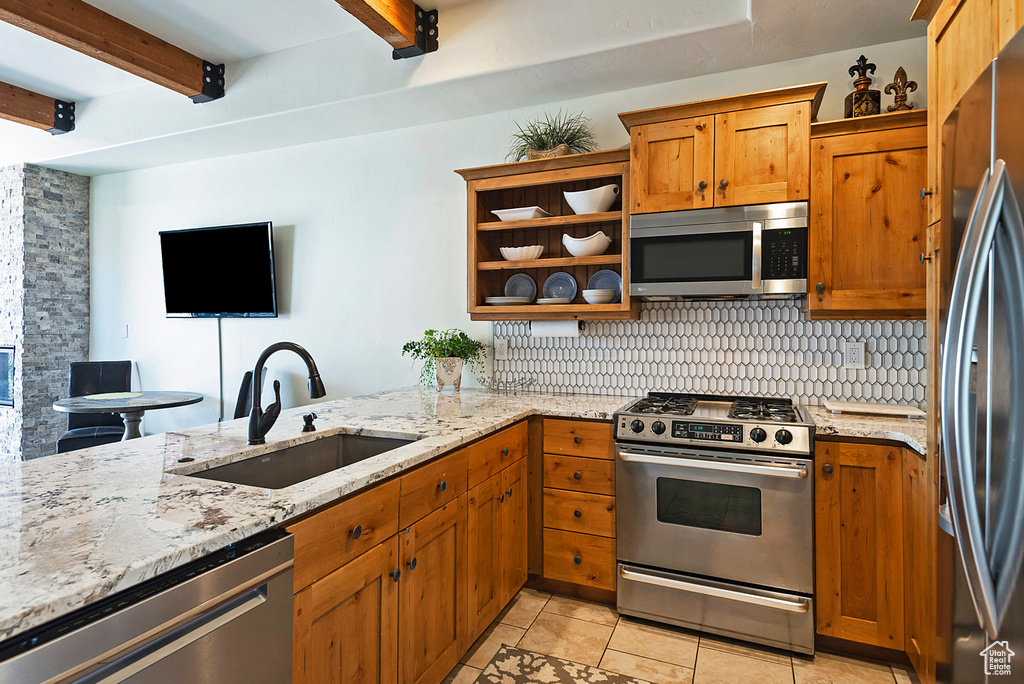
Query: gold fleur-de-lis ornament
[[900, 86]]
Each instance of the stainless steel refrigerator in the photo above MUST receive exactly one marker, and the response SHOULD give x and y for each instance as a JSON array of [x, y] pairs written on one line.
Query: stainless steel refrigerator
[[981, 398]]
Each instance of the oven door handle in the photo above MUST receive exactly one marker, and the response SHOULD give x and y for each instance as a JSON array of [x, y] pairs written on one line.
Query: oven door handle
[[717, 592], [796, 473]]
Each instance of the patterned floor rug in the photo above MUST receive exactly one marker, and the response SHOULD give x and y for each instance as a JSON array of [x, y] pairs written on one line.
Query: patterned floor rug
[[516, 666]]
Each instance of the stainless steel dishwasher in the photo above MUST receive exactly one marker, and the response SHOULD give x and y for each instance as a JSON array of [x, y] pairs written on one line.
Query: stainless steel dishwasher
[[226, 617]]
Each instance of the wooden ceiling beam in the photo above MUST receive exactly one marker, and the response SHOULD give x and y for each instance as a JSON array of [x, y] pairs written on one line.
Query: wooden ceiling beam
[[91, 31], [392, 20], [35, 110]]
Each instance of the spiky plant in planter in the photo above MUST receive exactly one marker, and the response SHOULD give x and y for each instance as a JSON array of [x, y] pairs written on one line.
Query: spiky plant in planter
[[443, 354], [538, 138]]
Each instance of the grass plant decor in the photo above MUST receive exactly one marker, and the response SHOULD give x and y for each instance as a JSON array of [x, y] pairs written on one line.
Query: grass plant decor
[[564, 128], [444, 344]]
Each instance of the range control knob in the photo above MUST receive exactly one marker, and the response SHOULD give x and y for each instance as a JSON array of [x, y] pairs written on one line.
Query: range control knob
[[783, 436], [758, 435], [658, 427], [637, 426]]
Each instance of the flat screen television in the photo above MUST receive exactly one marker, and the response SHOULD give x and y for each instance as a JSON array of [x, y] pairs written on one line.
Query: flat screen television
[[219, 272]]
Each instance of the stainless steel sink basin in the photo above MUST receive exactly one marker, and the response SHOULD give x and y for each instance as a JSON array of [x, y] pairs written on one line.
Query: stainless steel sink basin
[[288, 466]]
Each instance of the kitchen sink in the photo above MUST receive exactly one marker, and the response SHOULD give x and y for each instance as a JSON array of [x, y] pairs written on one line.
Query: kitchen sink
[[291, 465]]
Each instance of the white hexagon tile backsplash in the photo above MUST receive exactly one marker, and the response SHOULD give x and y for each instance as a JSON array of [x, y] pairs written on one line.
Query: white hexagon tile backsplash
[[764, 348]]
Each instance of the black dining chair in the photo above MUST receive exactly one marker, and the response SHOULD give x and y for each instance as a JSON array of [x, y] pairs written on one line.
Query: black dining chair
[[93, 429]]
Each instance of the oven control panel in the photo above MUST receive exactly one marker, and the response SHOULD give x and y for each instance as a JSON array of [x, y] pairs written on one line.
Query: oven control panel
[[682, 429], [653, 429]]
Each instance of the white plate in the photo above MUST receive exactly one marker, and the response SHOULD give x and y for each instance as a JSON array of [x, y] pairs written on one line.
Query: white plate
[[554, 300], [520, 213], [506, 301]]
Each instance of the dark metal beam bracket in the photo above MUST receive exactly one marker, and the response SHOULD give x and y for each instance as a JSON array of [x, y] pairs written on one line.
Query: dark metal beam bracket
[[63, 117], [426, 36], [213, 83]]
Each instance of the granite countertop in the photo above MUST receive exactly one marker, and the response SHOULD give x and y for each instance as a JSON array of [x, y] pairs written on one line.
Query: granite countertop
[[910, 431], [79, 526]]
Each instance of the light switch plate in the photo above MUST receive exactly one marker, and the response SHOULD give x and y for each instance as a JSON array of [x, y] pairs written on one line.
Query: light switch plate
[[501, 350], [853, 356]]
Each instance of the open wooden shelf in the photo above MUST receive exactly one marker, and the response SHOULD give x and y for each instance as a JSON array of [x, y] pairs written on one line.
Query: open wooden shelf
[[552, 262], [540, 312], [552, 221]]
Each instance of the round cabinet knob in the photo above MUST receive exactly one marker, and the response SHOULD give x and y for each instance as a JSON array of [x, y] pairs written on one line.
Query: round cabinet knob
[[783, 436], [637, 426], [357, 531], [443, 486], [827, 469], [578, 513], [501, 499], [577, 439], [505, 452], [412, 564], [658, 427], [925, 193], [396, 574], [758, 435], [508, 493], [702, 185], [577, 475], [723, 183], [577, 560], [820, 287]]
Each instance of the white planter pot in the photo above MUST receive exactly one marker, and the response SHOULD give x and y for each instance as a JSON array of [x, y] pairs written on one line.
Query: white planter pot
[[449, 372]]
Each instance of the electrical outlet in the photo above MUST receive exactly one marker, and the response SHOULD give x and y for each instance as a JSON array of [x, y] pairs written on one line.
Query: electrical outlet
[[853, 357], [501, 350]]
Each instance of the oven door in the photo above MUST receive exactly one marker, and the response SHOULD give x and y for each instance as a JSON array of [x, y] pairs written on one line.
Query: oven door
[[720, 259], [737, 517]]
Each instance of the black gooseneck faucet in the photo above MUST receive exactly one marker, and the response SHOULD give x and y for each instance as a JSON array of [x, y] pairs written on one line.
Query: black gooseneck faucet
[[258, 426]]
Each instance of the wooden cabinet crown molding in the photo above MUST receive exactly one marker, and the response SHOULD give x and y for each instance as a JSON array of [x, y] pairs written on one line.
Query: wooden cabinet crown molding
[[570, 161], [864, 124], [811, 92]]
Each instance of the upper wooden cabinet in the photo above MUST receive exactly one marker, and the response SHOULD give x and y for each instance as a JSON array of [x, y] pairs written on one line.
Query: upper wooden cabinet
[[868, 220], [748, 149]]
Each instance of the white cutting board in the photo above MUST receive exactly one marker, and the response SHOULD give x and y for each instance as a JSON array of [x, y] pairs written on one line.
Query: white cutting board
[[868, 408]]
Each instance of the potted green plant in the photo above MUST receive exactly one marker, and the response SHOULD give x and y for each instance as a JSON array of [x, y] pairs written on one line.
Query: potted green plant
[[443, 354], [554, 136]]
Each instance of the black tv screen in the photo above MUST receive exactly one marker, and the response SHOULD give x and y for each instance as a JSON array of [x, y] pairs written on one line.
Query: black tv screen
[[220, 272]]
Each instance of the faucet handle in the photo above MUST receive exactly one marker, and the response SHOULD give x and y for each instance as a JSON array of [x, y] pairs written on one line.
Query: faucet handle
[[309, 418]]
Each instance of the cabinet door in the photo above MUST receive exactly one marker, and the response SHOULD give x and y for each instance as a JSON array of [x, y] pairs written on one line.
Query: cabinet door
[[859, 534], [432, 595], [920, 527], [346, 624], [484, 528], [514, 532], [868, 224], [669, 161], [763, 155]]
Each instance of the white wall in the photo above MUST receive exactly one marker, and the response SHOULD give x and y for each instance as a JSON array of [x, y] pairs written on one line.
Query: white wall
[[370, 236]]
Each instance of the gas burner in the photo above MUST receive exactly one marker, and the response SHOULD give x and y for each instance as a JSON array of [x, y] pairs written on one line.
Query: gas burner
[[775, 410], [666, 404]]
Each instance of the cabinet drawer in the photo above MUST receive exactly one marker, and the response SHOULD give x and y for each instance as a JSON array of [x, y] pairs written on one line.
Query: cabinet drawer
[[492, 454], [592, 475], [327, 540], [579, 512], [579, 438], [431, 486], [579, 558]]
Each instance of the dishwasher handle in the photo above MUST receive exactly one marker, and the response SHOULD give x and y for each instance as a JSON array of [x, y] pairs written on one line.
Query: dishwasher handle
[[798, 472]]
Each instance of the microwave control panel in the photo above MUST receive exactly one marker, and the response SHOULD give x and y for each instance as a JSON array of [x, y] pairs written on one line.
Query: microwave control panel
[[784, 254]]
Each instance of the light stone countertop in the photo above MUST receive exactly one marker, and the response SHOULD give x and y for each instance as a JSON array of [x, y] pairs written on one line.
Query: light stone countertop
[[80, 526], [909, 431]]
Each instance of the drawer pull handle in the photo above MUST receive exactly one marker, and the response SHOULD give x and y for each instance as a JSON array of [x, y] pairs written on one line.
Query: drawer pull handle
[[577, 475], [577, 439], [505, 452], [578, 513], [443, 486], [357, 531], [412, 564], [396, 574], [577, 560]]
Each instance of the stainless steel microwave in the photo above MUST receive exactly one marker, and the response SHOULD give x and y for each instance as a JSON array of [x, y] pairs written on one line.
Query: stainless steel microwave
[[750, 251]]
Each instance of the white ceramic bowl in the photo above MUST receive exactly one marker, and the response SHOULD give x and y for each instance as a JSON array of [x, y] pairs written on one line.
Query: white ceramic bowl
[[599, 296], [598, 243], [592, 201], [522, 253], [520, 213]]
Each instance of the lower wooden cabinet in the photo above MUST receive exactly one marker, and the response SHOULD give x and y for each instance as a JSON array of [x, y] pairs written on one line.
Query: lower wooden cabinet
[[346, 624], [859, 535]]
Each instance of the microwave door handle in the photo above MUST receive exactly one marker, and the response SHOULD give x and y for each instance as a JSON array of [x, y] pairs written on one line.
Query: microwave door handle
[[755, 267]]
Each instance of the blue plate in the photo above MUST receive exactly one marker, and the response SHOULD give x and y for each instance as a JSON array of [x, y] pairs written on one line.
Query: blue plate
[[521, 285], [607, 280], [560, 284]]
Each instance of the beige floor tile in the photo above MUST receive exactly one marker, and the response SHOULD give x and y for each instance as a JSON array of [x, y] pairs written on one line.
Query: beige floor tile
[[744, 648], [652, 641], [582, 610], [725, 667], [826, 668], [569, 638], [462, 674], [524, 608], [902, 675], [654, 671], [489, 642]]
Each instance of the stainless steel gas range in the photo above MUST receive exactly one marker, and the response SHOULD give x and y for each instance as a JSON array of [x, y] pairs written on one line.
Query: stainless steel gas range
[[715, 516]]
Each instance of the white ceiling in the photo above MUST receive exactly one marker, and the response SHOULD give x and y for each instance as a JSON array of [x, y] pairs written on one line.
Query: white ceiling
[[304, 70]]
